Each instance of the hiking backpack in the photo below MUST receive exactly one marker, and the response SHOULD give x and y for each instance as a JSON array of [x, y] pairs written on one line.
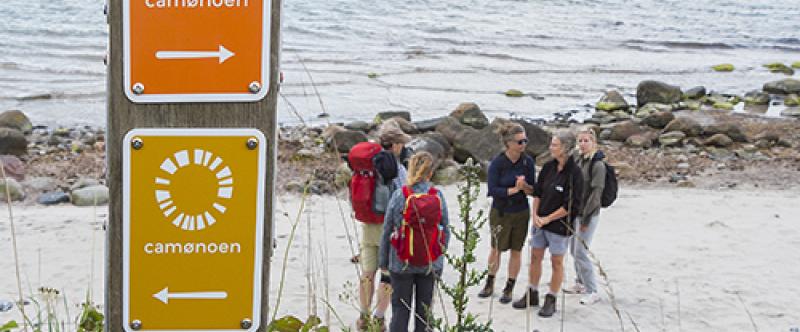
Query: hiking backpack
[[364, 180], [610, 189], [419, 239]]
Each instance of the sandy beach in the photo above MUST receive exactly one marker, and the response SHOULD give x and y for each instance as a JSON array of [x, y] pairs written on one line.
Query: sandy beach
[[677, 260]]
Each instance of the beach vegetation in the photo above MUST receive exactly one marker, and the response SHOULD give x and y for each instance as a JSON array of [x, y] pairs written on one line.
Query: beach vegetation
[[514, 93]]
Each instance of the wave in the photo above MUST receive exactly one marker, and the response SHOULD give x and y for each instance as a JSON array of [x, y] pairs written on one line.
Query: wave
[[634, 43]]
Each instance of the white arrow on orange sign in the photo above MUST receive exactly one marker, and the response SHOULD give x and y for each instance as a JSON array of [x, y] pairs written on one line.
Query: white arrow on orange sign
[[164, 295], [223, 54]]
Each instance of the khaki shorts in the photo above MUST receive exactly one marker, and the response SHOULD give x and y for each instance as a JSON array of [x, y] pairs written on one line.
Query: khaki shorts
[[370, 240], [509, 231]]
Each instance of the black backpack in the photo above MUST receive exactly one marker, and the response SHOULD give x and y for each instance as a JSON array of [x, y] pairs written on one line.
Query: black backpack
[[610, 188]]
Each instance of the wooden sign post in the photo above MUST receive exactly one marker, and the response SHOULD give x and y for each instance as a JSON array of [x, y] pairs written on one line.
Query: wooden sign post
[[191, 149]]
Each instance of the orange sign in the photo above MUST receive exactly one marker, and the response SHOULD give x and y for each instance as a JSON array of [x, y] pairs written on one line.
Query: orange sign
[[196, 50], [193, 212]]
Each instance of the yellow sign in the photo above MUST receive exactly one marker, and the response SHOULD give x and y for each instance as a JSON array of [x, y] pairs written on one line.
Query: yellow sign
[[193, 214], [196, 50]]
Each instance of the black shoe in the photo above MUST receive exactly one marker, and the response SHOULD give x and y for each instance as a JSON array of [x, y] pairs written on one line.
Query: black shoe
[[531, 298], [549, 307], [488, 289], [506, 297]]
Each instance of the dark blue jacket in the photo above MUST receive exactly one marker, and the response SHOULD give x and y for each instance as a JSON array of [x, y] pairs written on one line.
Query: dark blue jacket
[[503, 175]]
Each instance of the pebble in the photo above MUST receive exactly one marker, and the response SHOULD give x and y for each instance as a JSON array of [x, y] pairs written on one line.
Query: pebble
[[6, 305]]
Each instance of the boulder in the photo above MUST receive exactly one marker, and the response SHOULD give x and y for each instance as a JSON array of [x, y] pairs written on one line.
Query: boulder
[[719, 140], [430, 145], [294, 187], [12, 141], [777, 67], [446, 176], [685, 125], [612, 101], [471, 115], [451, 128], [538, 138], [639, 141], [725, 106], [90, 196], [428, 125], [13, 167], [657, 92], [344, 140], [756, 97], [730, 129], [83, 183], [658, 120], [622, 130], [359, 125], [791, 112], [439, 138], [791, 100], [40, 184], [17, 120], [343, 175], [14, 189], [399, 123], [784, 86], [724, 67], [481, 146], [52, 198], [514, 93], [671, 138], [695, 93], [380, 117]]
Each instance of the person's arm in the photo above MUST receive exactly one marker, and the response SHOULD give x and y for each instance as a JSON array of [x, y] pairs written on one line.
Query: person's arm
[[445, 221], [389, 219], [598, 183], [537, 194], [530, 178], [493, 182]]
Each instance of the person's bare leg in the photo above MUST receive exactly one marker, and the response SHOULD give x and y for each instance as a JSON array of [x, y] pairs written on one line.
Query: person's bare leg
[[366, 289], [535, 270], [558, 273], [494, 261], [384, 298], [514, 263]]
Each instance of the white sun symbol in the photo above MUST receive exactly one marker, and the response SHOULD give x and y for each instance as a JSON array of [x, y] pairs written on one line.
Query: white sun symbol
[[187, 221]]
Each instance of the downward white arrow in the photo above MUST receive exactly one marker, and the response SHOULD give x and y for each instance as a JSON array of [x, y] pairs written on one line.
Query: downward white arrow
[[223, 54], [164, 295]]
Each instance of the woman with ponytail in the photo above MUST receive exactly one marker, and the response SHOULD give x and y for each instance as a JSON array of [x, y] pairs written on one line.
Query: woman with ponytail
[[510, 180], [413, 284]]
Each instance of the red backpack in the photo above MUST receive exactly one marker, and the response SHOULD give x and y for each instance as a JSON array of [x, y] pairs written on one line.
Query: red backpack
[[418, 241], [362, 184]]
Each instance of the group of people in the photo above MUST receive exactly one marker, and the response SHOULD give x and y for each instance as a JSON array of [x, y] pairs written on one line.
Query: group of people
[[564, 213]]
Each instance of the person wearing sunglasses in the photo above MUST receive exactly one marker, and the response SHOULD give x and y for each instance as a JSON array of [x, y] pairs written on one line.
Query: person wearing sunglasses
[[510, 179]]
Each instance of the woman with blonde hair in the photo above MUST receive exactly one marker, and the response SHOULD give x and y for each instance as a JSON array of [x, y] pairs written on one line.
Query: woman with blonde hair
[[510, 180], [412, 281], [593, 169]]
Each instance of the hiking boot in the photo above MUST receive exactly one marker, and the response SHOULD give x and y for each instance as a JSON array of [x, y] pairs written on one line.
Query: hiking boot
[[506, 297], [576, 288], [590, 298], [531, 298], [362, 324], [379, 323], [549, 307], [488, 289]]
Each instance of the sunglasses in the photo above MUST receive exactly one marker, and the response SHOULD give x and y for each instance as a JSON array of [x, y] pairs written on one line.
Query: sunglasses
[[523, 141]]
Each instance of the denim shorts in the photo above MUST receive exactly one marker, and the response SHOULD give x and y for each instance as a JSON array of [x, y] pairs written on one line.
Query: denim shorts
[[557, 243]]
